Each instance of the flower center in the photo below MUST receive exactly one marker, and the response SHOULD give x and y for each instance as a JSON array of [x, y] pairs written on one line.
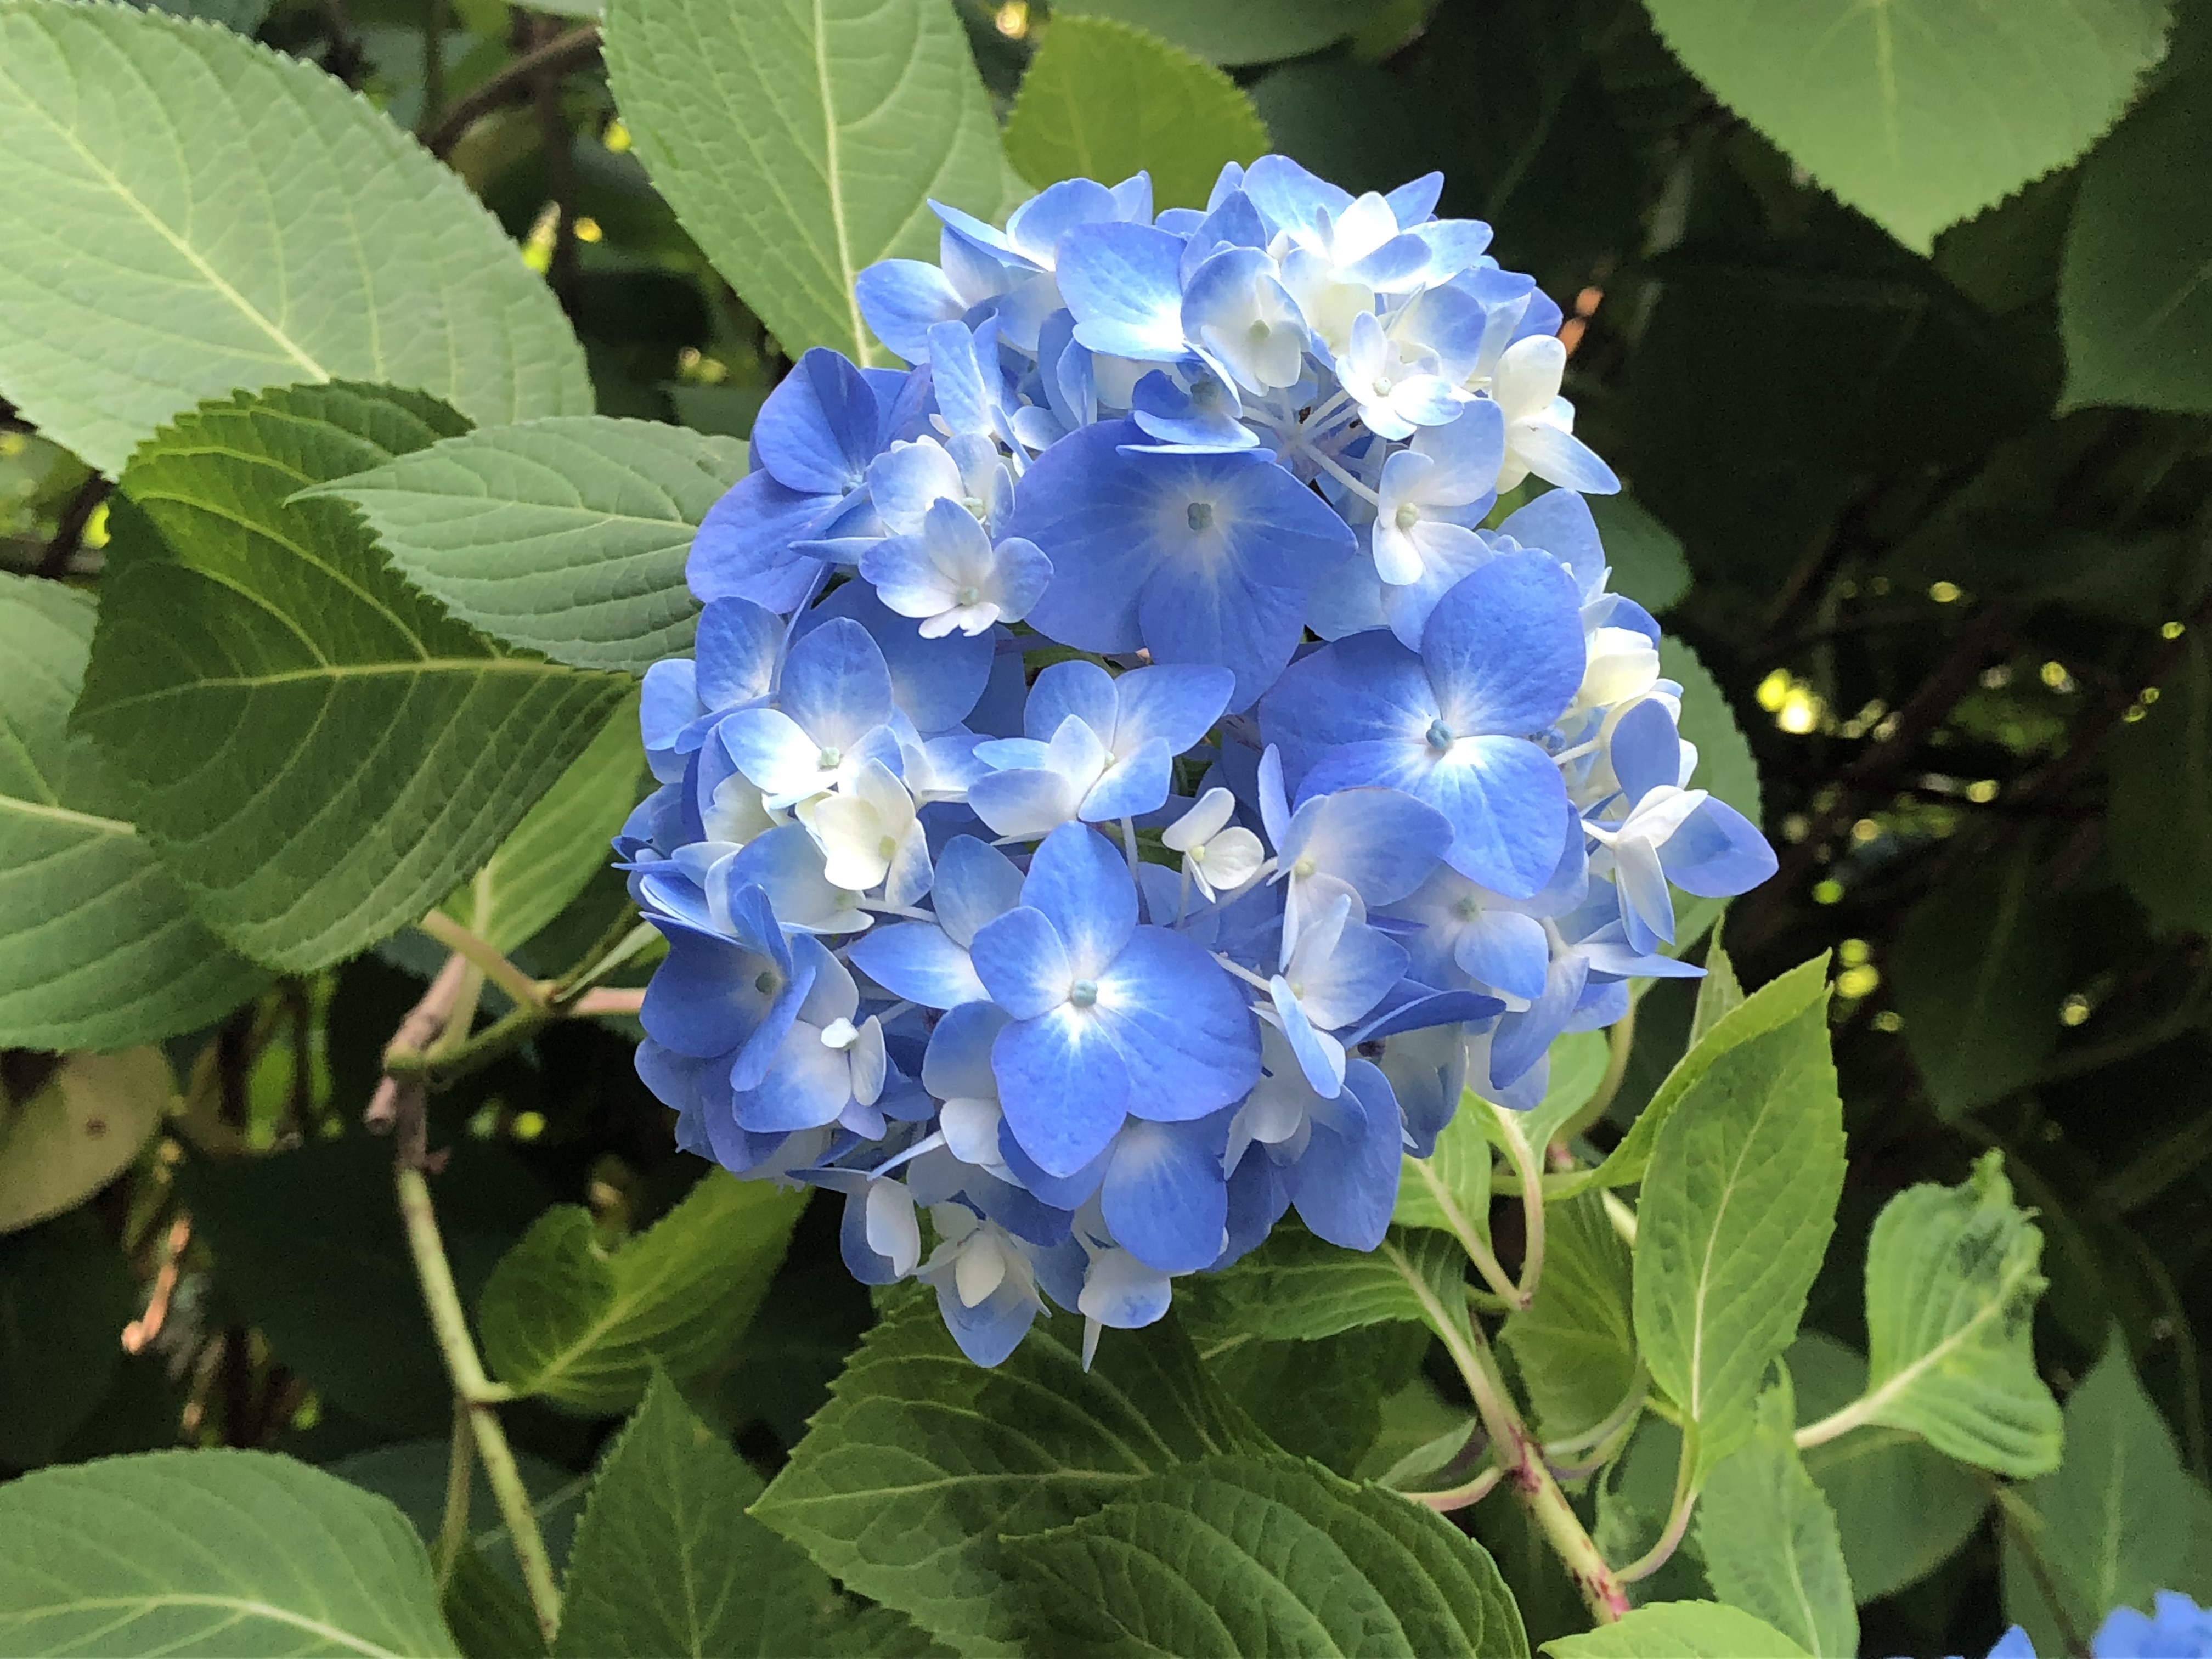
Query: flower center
[[1199, 515], [1196, 854], [1408, 516], [1083, 992], [968, 595], [888, 846], [1303, 868], [830, 758], [975, 505], [1468, 909], [1206, 395], [1258, 333], [768, 983], [1382, 384], [1440, 736]]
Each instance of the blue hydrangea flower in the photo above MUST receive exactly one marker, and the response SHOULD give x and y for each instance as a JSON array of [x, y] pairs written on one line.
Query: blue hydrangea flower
[[1176, 523]]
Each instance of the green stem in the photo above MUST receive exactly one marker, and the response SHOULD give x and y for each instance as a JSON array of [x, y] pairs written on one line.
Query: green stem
[[1678, 1513], [521, 989], [1462, 1496], [478, 1394], [1516, 1451], [460, 1473], [1619, 1039], [1530, 1167]]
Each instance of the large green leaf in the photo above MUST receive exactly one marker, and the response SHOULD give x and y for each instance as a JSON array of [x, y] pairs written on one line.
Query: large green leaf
[[1578, 1062], [667, 1561], [1773, 1004], [2133, 304], [97, 948], [1241, 1555], [1771, 1542], [1297, 1286], [923, 1460], [316, 751], [565, 536], [1680, 1630], [800, 141], [1735, 1214], [1646, 556], [65, 1293], [1977, 976], [81, 1129], [564, 1319], [189, 213], [1232, 31], [1102, 100], [1575, 1345], [2111, 1525], [210, 1553], [1323, 1399], [560, 843], [1951, 1289], [1901, 1506], [2162, 816], [1919, 113], [414, 1474]]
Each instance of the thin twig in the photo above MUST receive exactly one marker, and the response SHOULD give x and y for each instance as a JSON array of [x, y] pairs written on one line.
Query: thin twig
[[519, 986], [515, 83], [1677, 1514], [1529, 1167], [1461, 1497]]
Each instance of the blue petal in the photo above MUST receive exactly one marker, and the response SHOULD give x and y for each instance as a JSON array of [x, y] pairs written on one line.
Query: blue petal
[[816, 430], [703, 1001], [1346, 1184], [806, 1086], [1559, 522], [936, 683], [1079, 689], [1717, 852], [1359, 689], [1176, 704], [1645, 750], [1522, 1039], [1123, 283], [1133, 786], [1083, 884], [736, 648], [1504, 647], [670, 703], [915, 960], [837, 685], [1507, 950], [1382, 841], [1080, 502], [1164, 1196], [1062, 1192], [995, 1327], [901, 299], [1413, 201], [1180, 1023], [1503, 800], [1258, 1195], [958, 1064], [975, 882], [1289, 195], [1022, 962], [1062, 1086], [1034, 228], [1321, 1057], [744, 548], [1195, 613]]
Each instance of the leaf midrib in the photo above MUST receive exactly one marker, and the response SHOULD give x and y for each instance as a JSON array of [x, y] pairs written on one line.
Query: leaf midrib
[[235, 1604]]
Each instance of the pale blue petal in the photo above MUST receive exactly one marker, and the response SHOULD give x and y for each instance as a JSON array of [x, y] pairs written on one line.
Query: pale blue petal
[[1382, 841], [1123, 283], [837, 685], [1191, 1044], [816, 430], [744, 549], [1717, 852], [1022, 962], [1507, 951], [1505, 649], [1062, 1086], [1320, 1057], [901, 299], [1503, 799], [1558, 457], [1022, 802], [915, 960], [1133, 786], [1034, 228], [806, 1086], [1164, 1194], [1078, 689], [1177, 704], [975, 883], [1346, 1184], [995, 1327], [736, 648], [958, 1065], [1082, 881]]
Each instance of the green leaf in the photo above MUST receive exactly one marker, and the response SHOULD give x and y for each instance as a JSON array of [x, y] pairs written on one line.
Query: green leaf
[[65, 1293], [257, 224], [81, 1130], [1901, 1506], [1579, 1059], [1647, 560], [412, 1473], [2162, 816], [210, 1553], [1951, 1290], [1915, 112], [1735, 1214], [572, 1322], [560, 843], [1239, 1555], [2111, 1526], [1769, 1539], [490, 1617], [800, 141], [289, 1229], [1449, 1188], [1324, 1399], [1720, 993], [1575, 1345], [1680, 1630], [1232, 31], [922, 1460], [1298, 1287], [1773, 1004], [317, 753], [2133, 306], [97, 949], [667, 1560], [1977, 976], [1102, 100], [565, 536]]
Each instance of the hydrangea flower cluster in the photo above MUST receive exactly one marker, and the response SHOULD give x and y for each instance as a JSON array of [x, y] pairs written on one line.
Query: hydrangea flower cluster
[[1123, 792], [2175, 1628]]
